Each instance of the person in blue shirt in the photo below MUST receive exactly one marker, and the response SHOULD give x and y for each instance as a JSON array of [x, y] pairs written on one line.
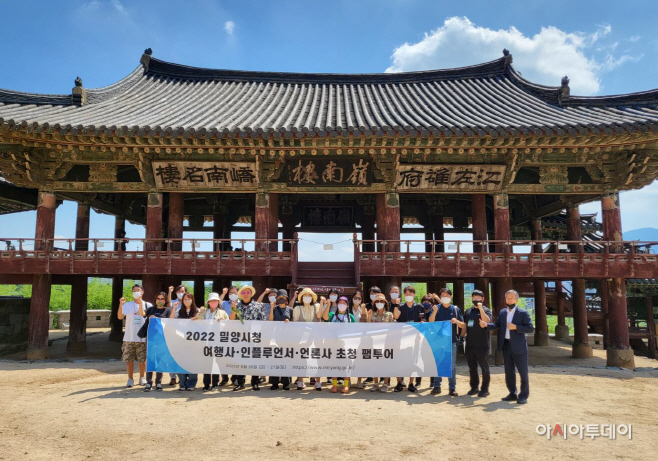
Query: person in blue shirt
[[407, 312], [448, 311]]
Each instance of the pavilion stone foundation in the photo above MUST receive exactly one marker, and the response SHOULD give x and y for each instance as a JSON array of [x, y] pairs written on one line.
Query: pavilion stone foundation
[[14, 321]]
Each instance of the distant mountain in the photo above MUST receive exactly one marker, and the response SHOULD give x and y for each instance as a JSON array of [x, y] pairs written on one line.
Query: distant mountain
[[649, 234]]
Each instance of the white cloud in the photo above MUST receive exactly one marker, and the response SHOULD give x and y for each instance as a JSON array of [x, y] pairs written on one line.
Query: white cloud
[[229, 26], [634, 38], [542, 58]]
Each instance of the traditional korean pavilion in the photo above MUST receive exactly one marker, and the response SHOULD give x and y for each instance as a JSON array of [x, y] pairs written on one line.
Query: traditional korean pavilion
[[476, 150]]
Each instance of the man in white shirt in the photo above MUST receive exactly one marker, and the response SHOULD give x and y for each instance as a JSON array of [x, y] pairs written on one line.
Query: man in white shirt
[[134, 347]]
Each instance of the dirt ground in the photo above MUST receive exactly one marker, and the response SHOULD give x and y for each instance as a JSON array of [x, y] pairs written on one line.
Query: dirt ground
[[66, 409]]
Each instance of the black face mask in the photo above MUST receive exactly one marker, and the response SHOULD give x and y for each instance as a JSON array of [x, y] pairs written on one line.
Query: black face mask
[[475, 301], [511, 306]]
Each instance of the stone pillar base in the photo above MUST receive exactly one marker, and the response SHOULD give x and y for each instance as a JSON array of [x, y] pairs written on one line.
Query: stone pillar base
[[562, 333], [582, 351], [622, 358], [37, 354], [498, 360], [542, 339], [79, 346]]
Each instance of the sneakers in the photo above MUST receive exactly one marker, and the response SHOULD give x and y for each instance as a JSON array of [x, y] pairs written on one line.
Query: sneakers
[[359, 385], [399, 387], [453, 393], [435, 390], [214, 388], [412, 388], [222, 383], [375, 387], [158, 387], [238, 387], [300, 385], [318, 385], [255, 387], [189, 389], [286, 387], [206, 388], [172, 382], [509, 398], [483, 393], [274, 387], [142, 381], [384, 388], [180, 388], [472, 392], [346, 390], [147, 388], [130, 383]]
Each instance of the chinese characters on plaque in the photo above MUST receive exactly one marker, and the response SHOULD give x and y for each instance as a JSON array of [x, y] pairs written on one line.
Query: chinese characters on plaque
[[233, 175], [450, 177], [327, 216], [329, 172]]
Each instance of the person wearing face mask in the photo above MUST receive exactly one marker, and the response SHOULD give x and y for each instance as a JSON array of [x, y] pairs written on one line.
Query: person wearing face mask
[[407, 312], [175, 304], [270, 293], [133, 348], [246, 308], [342, 315], [513, 323], [477, 344], [225, 305], [372, 294], [451, 313], [160, 310], [189, 311], [212, 312], [330, 305], [380, 314], [360, 313], [394, 296], [280, 312], [307, 309]]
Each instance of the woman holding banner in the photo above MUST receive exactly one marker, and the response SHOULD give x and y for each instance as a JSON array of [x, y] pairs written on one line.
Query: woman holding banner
[[307, 310], [380, 314], [340, 316], [213, 312], [247, 309], [280, 312], [187, 311]]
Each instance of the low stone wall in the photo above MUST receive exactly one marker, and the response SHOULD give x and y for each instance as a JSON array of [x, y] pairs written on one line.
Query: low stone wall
[[96, 318], [14, 320]]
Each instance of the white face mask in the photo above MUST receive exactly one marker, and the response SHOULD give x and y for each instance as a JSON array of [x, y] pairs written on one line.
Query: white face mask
[[342, 307], [233, 297], [408, 298], [272, 299], [180, 295], [380, 306], [372, 297], [395, 295], [356, 302], [445, 300], [333, 298], [307, 299], [137, 294]]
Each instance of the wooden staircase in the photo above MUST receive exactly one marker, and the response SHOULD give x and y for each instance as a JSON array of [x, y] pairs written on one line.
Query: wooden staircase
[[323, 276]]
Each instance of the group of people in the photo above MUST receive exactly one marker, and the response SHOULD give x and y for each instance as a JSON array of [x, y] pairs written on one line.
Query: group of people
[[512, 323]]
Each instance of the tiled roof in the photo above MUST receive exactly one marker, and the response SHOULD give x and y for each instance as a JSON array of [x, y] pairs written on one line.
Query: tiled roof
[[163, 99]]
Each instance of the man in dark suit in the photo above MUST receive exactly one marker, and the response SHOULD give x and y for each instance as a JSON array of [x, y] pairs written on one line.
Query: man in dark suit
[[513, 323]]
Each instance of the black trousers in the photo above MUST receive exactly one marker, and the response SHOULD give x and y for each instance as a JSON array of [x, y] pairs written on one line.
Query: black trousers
[[208, 378], [241, 379], [275, 380], [478, 356], [149, 377], [520, 362]]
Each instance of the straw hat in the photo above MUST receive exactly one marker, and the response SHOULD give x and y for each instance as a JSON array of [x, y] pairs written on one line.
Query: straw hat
[[247, 287], [380, 298], [307, 291]]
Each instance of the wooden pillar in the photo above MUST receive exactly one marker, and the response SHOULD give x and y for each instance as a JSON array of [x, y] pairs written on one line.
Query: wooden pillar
[[541, 323], [116, 325], [287, 230], [380, 218], [580, 347], [273, 233], [561, 328], [78, 327], [651, 326], [502, 231], [479, 221], [368, 232], [603, 292], [175, 220], [199, 291], [151, 282], [388, 220], [619, 352], [37, 340], [262, 219]]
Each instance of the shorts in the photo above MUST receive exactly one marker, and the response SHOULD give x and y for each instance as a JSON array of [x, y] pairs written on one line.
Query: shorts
[[133, 352]]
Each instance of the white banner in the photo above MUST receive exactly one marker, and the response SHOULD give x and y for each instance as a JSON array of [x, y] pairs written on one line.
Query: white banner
[[299, 348]]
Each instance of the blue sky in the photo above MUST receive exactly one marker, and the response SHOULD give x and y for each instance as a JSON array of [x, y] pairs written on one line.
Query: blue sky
[[605, 47]]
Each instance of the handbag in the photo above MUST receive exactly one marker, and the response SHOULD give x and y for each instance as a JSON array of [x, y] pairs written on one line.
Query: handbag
[[143, 331]]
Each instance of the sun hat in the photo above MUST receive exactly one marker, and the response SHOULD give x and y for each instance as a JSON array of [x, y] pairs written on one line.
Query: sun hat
[[247, 287], [213, 297], [307, 291]]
